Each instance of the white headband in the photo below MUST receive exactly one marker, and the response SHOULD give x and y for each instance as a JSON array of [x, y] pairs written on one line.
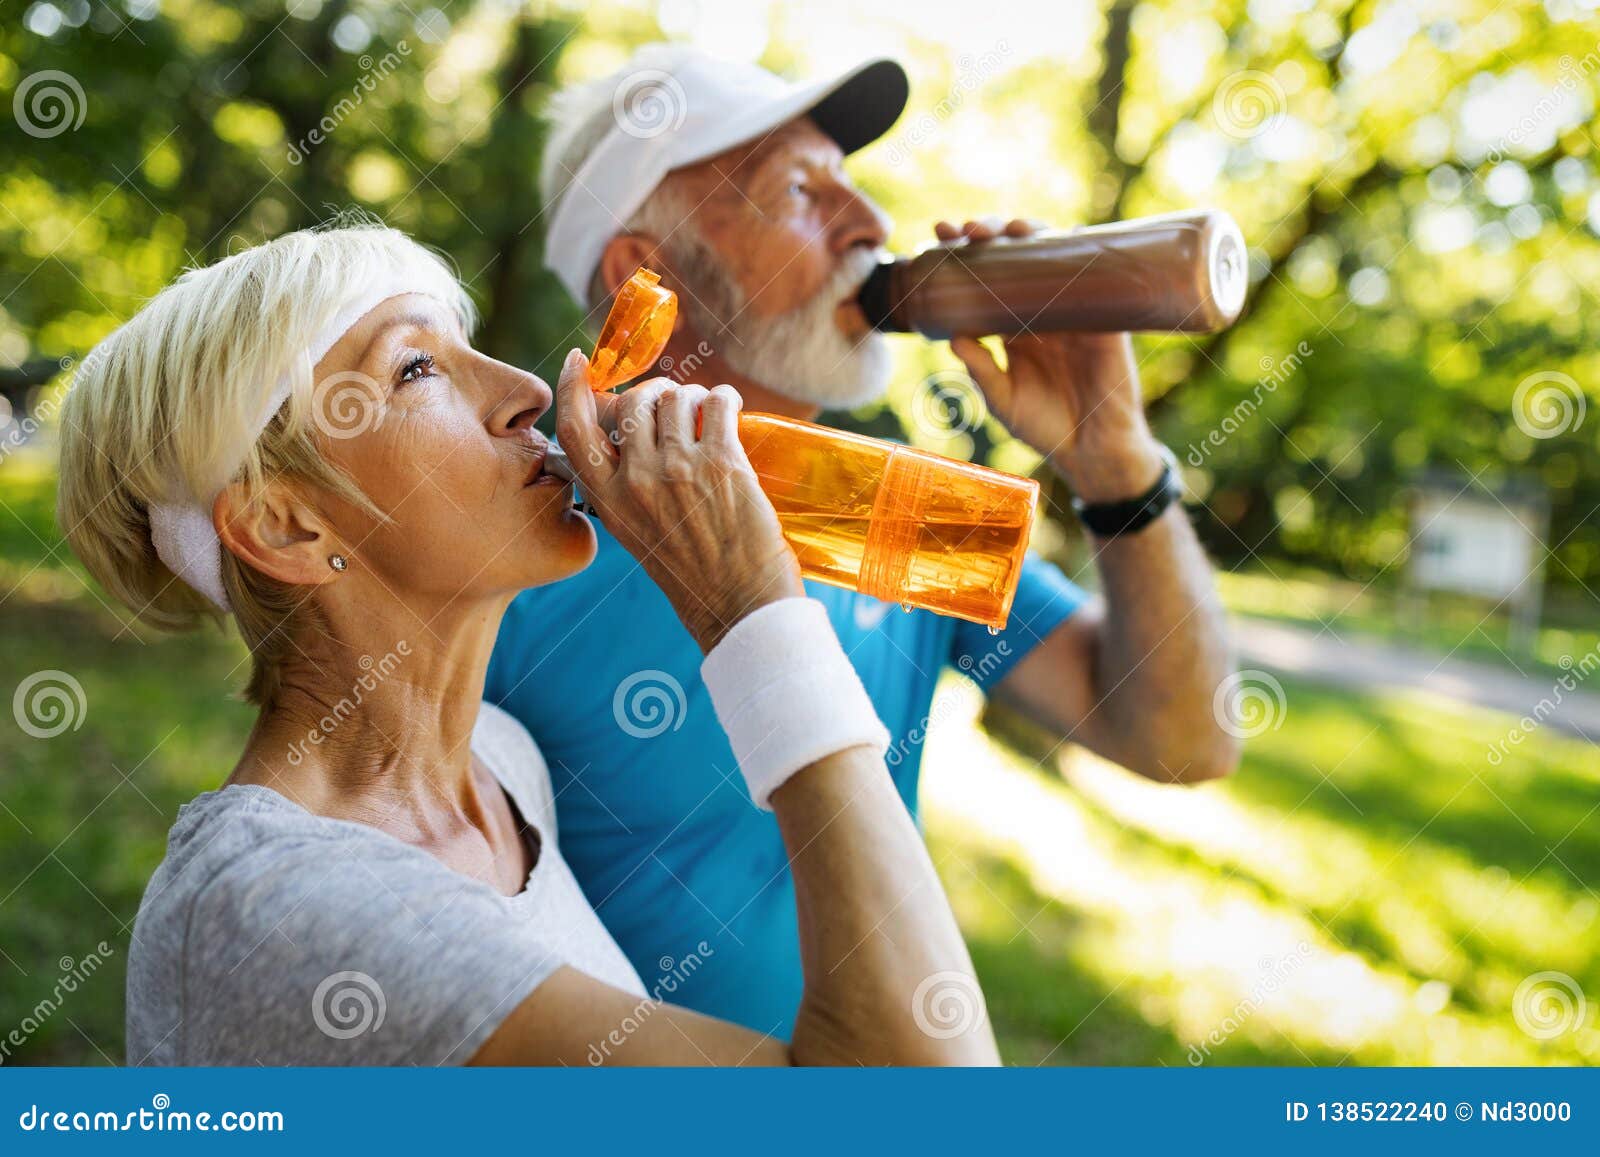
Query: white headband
[[182, 531]]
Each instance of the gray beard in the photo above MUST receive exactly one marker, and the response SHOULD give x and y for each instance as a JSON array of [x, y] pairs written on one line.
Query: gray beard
[[801, 354]]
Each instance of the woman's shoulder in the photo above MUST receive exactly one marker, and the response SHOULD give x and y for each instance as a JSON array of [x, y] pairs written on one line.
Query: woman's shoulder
[[266, 921]]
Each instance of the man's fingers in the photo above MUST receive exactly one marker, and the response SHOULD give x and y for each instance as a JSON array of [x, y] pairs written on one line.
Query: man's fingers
[[578, 425], [984, 229], [945, 231]]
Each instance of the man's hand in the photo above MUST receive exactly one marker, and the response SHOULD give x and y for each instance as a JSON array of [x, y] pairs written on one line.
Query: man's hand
[[1074, 397]]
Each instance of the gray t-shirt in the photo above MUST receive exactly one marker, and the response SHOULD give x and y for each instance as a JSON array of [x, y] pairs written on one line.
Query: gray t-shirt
[[271, 935]]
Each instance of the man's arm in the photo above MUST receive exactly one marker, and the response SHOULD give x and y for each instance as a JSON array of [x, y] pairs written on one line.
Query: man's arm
[[1132, 677]]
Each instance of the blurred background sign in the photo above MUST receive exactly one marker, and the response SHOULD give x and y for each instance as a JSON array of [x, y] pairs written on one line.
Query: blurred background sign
[[1490, 544]]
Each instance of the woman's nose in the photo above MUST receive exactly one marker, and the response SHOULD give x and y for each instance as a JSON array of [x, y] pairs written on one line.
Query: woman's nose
[[522, 399]]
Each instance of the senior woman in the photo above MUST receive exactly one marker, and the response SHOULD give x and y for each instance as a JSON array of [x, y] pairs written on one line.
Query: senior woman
[[302, 436]]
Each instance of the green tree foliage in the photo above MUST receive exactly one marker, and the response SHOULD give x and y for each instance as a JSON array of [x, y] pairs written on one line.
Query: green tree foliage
[[1415, 177]]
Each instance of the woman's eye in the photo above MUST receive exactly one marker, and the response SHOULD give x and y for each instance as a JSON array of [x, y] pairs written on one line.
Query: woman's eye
[[418, 367]]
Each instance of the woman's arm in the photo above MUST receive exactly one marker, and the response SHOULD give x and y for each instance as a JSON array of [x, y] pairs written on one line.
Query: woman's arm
[[874, 927], [879, 946]]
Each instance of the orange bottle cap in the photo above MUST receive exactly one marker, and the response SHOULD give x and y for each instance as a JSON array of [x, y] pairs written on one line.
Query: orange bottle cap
[[636, 331]]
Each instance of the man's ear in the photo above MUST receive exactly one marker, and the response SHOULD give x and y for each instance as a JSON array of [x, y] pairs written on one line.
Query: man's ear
[[275, 532], [623, 254]]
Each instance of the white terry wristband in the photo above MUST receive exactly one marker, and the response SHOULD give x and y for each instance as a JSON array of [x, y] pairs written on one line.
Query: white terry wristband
[[786, 694]]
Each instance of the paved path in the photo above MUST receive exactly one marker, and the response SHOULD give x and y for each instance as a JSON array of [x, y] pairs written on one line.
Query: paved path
[[1360, 663]]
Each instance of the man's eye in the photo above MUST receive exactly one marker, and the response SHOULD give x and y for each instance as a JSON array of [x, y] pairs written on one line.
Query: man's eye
[[418, 367], [798, 189]]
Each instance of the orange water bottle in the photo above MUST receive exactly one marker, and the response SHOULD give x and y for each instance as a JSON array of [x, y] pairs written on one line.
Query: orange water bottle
[[890, 521]]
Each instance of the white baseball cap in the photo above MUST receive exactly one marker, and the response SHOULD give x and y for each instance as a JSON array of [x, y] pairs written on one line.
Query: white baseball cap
[[672, 106]]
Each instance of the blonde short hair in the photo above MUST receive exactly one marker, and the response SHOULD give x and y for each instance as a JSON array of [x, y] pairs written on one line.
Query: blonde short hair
[[167, 408]]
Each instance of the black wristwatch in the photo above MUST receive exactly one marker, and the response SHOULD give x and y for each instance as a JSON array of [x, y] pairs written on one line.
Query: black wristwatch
[[1109, 519]]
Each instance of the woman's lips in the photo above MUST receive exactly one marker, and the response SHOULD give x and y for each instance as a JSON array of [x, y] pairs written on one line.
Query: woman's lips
[[537, 476]]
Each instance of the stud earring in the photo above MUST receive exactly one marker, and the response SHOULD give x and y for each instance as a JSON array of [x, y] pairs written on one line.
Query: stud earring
[[338, 561]]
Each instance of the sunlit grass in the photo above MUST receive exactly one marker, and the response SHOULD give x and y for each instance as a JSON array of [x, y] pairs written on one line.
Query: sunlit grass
[[1383, 914]]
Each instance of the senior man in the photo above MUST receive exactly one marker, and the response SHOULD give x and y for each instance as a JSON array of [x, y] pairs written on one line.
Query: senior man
[[729, 182]]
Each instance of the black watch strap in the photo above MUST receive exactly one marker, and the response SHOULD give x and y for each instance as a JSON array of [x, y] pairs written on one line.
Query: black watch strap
[[1109, 519]]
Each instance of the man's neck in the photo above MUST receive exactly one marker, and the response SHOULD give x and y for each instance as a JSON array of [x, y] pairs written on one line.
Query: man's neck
[[689, 363]]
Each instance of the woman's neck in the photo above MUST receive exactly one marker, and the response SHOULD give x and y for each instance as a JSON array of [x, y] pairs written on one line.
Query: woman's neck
[[374, 707]]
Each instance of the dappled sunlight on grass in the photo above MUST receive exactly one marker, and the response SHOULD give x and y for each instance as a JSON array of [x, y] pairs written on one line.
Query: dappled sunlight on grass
[[1296, 919]]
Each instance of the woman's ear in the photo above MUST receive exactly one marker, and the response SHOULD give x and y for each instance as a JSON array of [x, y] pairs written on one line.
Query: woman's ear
[[276, 533], [623, 254]]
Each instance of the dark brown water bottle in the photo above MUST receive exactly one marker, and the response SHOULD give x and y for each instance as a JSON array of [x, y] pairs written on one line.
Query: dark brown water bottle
[[1176, 273]]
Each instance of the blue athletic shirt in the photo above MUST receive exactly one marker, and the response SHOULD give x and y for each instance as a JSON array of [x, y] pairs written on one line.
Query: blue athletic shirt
[[652, 815]]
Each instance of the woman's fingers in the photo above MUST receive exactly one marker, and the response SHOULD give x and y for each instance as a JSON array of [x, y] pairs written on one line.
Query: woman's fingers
[[719, 421], [677, 415], [636, 421], [578, 424]]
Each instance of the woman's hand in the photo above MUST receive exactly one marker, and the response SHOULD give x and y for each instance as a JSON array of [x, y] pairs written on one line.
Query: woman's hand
[[687, 507]]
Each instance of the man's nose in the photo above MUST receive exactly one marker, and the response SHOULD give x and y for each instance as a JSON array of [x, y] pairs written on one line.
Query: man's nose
[[860, 222]]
